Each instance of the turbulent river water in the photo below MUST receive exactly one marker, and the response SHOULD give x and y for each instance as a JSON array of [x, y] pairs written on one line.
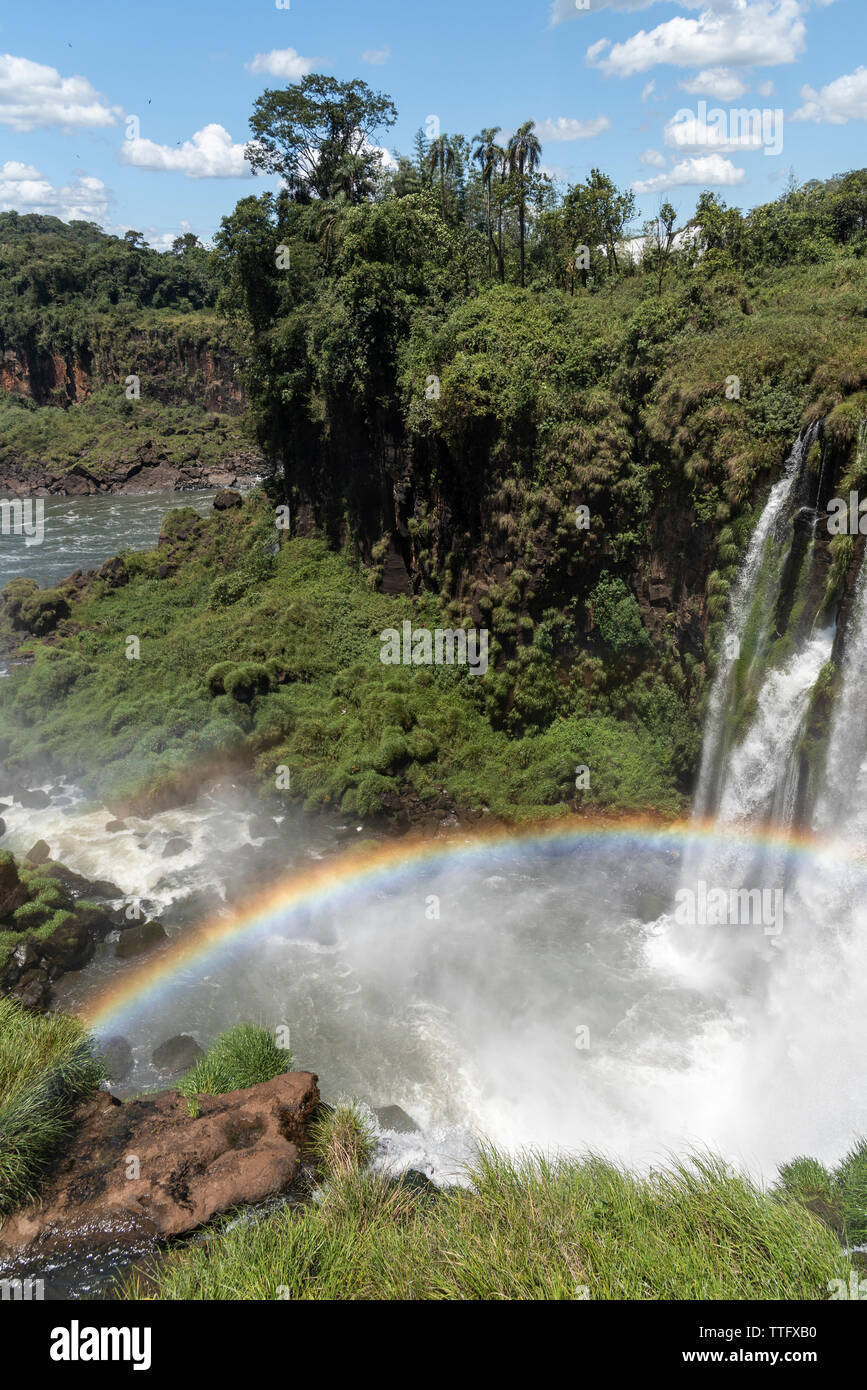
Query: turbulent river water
[[556, 996]]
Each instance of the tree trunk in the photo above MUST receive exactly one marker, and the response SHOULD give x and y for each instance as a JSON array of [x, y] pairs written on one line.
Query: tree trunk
[[490, 234]]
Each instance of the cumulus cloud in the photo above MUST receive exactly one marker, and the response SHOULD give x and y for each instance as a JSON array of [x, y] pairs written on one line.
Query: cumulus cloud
[[211, 154], [745, 33], [653, 158], [844, 99], [721, 83], [738, 130], [32, 94], [376, 55], [705, 171], [24, 189], [282, 62], [566, 128]]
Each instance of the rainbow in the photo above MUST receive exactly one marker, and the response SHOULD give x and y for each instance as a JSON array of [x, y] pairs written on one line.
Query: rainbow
[[397, 864]]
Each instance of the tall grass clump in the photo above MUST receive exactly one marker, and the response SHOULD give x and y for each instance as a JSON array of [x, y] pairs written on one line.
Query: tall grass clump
[[47, 1064], [525, 1228], [837, 1195], [343, 1140], [241, 1057]]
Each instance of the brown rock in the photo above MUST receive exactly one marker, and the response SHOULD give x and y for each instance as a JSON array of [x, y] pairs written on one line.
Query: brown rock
[[39, 853], [241, 1148], [114, 572], [226, 499]]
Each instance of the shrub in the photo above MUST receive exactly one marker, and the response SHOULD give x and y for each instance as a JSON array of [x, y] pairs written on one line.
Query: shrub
[[40, 612], [247, 680], [242, 1056], [617, 616]]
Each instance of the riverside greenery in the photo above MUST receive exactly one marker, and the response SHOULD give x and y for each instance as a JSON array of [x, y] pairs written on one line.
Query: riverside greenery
[[530, 1227], [47, 1064], [272, 655], [525, 1227]]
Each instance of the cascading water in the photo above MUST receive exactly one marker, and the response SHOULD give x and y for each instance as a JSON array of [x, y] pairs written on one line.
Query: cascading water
[[842, 806], [753, 601]]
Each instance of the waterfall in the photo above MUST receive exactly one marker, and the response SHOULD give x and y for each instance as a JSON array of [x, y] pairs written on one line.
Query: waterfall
[[752, 602], [842, 805]]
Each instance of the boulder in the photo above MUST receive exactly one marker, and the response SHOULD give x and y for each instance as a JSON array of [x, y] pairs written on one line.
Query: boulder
[[33, 990], [117, 1056], [137, 940], [114, 572], [226, 498], [177, 1054], [394, 1118], [176, 845], [33, 800], [13, 893], [80, 887], [38, 854], [113, 827], [69, 947], [237, 1149]]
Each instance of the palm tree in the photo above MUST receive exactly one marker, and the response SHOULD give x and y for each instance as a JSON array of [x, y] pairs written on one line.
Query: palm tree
[[525, 154], [441, 156], [487, 155]]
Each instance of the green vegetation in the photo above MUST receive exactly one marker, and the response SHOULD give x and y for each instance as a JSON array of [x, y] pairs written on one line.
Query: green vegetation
[[525, 1228], [63, 286], [343, 1140], [47, 1064], [275, 657], [33, 906], [107, 430], [838, 1196], [241, 1057]]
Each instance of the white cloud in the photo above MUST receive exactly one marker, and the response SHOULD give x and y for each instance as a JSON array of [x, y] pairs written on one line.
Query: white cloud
[[282, 62], [387, 159], [653, 158], [648, 89], [24, 189], [211, 154], [376, 55], [844, 99], [32, 94], [706, 171], [742, 33], [721, 83], [741, 130], [566, 128], [767, 89]]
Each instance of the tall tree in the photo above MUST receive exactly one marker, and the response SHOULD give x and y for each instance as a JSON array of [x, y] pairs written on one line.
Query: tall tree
[[525, 155], [487, 155], [317, 135], [441, 158], [609, 209], [659, 242]]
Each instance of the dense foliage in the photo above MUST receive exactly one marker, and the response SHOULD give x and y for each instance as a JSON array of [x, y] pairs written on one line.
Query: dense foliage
[[57, 280]]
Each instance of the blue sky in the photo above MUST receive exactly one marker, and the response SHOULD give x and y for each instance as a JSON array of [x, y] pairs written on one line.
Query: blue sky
[[605, 82]]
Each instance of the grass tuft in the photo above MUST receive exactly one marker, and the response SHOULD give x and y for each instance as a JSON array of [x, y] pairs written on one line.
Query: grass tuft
[[241, 1057]]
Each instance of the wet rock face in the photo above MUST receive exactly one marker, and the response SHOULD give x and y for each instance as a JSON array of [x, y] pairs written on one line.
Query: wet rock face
[[37, 962], [137, 940], [149, 1169], [177, 1054]]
